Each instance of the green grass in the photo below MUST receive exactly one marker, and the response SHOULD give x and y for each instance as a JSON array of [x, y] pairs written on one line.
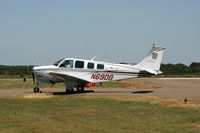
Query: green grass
[[76, 114], [14, 76], [111, 85], [80, 114]]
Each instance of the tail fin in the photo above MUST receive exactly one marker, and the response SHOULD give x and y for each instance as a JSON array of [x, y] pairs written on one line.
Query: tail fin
[[151, 63]]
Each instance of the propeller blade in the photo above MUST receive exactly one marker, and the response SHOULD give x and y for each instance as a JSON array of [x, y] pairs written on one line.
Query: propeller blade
[[33, 76]]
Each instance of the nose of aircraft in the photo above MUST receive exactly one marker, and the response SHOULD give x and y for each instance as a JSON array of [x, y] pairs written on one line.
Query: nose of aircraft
[[34, 68], [31, 69]]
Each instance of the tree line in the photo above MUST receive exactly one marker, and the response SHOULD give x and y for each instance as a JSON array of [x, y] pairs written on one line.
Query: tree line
[[167, 69], [180, 69], [19, 71]]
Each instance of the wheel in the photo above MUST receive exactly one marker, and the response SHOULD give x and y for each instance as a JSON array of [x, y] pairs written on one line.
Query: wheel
[[80, 88], [70, 91], [36, 89]]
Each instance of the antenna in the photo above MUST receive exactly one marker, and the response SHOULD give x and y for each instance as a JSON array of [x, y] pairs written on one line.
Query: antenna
[[115, 59], [93, 58], [105, 57], [154, 45], [34, 60]]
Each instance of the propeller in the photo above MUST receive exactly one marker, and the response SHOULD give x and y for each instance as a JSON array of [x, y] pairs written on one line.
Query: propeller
[[33, 74], [31, 69]]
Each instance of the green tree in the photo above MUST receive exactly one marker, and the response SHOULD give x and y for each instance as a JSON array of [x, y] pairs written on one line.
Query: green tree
[[195, 67]]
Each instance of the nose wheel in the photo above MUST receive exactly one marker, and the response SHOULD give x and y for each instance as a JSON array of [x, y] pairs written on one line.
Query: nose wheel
[[36, 89]]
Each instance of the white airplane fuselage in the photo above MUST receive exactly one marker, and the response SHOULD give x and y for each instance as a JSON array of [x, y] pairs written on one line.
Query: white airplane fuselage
[[110, 72]]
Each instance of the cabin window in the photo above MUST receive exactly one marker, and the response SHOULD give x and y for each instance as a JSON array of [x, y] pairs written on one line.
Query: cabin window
[[154, 56], [100, 66], [90, 65], [79, 64], [67, 64]]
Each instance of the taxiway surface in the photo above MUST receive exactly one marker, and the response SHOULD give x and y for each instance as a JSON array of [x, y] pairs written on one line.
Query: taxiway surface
[[161, 87]]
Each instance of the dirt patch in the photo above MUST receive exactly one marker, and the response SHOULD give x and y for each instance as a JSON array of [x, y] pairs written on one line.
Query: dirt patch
[[38, 96], [197, 125], [137, 84]]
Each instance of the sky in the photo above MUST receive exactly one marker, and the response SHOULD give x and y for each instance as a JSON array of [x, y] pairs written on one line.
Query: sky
[[44, 31]]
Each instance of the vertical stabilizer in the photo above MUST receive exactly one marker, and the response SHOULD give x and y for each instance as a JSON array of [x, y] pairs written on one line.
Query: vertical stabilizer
[[152, 61]]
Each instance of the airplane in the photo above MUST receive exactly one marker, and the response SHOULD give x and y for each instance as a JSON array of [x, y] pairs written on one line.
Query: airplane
[[78, 72]]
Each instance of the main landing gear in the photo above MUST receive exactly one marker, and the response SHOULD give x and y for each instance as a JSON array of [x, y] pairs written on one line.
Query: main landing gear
[[80, 88], [71, 91]]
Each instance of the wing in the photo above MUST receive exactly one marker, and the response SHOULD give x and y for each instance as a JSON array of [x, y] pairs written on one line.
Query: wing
[[92, 77], [69, 76]]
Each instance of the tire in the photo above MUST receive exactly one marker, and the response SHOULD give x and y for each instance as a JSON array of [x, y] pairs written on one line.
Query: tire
[[36, 89], [80, 88]]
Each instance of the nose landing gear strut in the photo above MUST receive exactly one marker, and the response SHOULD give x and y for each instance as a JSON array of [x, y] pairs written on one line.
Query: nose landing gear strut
[[36, 89]]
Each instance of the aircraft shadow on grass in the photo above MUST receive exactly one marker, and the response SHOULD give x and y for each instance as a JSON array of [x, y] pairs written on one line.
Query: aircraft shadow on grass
[[142, 92], [75, 92], [86, 91], [92, 91]]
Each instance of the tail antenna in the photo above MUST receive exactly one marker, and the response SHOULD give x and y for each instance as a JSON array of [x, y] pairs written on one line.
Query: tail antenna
[[154, 45], [34, 60]]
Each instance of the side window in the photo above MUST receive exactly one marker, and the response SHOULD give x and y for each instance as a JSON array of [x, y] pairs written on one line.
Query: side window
[[90, 65], [79, 64], [100, 66], [154, 56], [67, 64]]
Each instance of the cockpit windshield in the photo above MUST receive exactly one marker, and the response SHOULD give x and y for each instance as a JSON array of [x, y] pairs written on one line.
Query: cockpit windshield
[[58, 62]]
